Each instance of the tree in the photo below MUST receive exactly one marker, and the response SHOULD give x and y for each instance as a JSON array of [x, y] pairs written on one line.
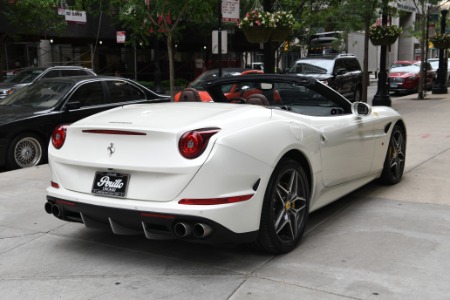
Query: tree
[[423, 6], [31, 18], [166, 19]]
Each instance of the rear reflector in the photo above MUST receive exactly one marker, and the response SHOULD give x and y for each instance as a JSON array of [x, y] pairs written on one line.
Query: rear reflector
[[215, 201], [54, 185], [157, 216], [59, 201], [119, 132]]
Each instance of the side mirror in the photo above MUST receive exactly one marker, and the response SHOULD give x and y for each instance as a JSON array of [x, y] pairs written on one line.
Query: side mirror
[[341, 71], [72, 105], [361, 109]]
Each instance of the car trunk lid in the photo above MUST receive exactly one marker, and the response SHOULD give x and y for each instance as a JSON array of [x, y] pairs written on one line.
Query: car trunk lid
[[141, 141]]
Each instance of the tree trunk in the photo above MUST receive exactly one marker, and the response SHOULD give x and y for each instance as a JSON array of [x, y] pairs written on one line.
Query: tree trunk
[[420, 88], [171, 65], [365, 79]]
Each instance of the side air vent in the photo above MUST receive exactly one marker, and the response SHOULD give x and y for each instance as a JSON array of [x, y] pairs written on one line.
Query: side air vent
[[387, 127]]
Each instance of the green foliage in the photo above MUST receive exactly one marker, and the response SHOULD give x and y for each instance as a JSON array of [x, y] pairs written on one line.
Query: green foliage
[[141, 19], [441, 41], [33, 17]]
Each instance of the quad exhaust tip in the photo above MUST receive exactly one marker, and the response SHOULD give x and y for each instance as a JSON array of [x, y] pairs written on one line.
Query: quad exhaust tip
[[198, 230], [56, 211], [48, 207], [182, 229], [202, 230], [53, 209]]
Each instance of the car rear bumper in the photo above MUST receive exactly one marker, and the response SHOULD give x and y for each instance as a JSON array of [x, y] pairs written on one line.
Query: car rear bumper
[[154, 225]]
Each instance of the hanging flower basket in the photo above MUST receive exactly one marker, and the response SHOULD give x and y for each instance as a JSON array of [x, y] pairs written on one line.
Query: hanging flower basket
[[257, 26], [441, 41], [284, 25], [260, 26], [257, 34], [384, 35], [280, 33], [384, 41]]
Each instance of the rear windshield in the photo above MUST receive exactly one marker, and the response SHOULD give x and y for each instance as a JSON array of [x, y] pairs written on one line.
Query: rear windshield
[[312, 66]]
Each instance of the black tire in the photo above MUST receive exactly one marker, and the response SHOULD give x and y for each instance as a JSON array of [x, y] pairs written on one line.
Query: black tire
[[394, 164], [26, 150], [285, 209]]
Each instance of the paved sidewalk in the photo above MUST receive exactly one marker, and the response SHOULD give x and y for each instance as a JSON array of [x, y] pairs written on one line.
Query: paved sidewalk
[[376, 243]]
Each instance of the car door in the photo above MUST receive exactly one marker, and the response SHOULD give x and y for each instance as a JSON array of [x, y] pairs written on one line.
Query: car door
[[346, 140], [355, 77], [342, 78], [347, 146]]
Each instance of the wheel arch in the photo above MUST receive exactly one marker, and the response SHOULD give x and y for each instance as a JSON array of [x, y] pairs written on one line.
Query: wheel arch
[[304, 162], [402, 125], [45, 139]]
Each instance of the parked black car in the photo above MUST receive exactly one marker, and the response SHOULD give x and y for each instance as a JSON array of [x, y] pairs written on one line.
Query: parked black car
[[28, 117], [341, 72], [29, 75]]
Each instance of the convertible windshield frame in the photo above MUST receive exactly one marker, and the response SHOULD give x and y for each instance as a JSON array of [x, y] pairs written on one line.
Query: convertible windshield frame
[[278, 91]]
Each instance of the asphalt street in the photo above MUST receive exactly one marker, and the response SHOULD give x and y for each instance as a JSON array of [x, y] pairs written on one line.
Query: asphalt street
[[380, 242]]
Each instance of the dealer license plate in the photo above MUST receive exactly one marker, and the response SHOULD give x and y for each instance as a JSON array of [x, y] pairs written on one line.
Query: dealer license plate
[[110, 184]]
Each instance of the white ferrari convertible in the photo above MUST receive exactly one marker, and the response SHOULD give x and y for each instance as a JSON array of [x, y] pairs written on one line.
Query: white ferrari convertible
[[246, 168]]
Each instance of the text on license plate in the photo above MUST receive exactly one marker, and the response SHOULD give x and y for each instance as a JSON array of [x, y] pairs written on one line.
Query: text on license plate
[[110, 184]]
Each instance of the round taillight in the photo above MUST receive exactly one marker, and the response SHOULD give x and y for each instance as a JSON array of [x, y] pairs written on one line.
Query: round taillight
[[193, 143], [59, 136]]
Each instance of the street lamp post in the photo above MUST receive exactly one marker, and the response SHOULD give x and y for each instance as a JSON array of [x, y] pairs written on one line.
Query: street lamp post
[[382, 96], [440, 87]]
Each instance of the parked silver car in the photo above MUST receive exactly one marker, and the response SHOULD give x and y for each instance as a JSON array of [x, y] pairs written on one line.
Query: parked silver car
[[29, 75]]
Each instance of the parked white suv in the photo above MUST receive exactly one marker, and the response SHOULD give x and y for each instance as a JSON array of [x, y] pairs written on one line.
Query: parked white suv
[[341, 72]]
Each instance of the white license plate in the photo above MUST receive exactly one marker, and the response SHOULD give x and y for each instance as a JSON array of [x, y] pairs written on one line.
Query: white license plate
[[394, 85], [110, 184]]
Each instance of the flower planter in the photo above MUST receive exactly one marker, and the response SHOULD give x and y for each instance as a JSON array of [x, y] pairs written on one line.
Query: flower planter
[[441, 44], [384, 35], [384, 41], [257, 34], [280, 34]]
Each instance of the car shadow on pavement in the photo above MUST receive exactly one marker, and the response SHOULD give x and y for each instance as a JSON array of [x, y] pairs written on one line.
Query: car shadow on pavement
[[221, 255]]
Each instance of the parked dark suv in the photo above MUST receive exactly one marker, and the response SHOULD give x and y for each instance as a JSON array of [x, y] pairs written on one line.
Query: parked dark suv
[[342, 72], [29, 75]]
